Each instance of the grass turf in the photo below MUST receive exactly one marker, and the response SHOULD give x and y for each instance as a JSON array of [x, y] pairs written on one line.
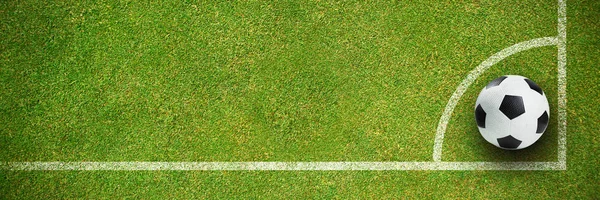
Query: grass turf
[[280, 81]]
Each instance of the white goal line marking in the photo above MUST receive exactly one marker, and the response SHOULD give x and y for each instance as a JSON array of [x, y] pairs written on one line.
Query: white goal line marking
[[283, 166], [562, 81], [559, 41]]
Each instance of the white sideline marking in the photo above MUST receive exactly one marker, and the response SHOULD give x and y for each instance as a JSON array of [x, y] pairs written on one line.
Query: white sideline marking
[[559, 41], [562, 81], [287, 166], [473, 75]]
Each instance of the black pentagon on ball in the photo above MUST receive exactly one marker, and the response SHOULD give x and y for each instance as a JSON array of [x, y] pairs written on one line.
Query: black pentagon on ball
[[542, 122], [512, 106], [480, 116], [495, 82], [534, 86], [509, 142]]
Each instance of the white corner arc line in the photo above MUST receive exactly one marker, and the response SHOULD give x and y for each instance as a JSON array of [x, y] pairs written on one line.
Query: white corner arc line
[[473, 75]]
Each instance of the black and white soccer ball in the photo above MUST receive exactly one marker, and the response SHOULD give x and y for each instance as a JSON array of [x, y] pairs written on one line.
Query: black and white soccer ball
[[512, 112]]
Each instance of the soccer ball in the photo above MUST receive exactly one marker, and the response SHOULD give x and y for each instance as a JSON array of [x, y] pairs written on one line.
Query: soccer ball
[[512, 112]]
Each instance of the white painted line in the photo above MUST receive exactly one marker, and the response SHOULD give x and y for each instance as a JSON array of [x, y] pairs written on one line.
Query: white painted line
[[560, 41], [562, 81], [473, 75], [287, 166]]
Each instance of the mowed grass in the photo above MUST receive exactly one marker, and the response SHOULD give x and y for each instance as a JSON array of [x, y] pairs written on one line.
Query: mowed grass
[[256, 81], [281, 81]]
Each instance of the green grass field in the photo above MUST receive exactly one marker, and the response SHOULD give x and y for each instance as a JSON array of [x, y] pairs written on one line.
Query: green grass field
[[289, 81]]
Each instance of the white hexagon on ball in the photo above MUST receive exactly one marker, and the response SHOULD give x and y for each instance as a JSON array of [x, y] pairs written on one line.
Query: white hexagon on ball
[[512, 112]]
